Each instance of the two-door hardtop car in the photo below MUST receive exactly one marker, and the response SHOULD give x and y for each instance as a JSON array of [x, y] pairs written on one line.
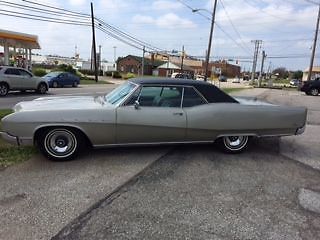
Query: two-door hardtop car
[[144, 112]]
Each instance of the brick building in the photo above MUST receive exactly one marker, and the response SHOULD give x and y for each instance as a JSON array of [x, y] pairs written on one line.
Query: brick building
[[133, 64]]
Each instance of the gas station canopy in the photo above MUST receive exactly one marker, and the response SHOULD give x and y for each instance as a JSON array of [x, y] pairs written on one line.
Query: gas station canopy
[[24, 42], [19, 40]]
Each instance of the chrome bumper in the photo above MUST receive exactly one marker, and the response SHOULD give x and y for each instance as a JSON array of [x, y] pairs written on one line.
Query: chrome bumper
[[300, 130], [16, 140]]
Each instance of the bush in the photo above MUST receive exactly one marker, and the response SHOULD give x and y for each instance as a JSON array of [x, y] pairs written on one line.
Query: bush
[[129, 75], [108, 73], [116, 75], [86, 72], [66, 68], [39, 72]]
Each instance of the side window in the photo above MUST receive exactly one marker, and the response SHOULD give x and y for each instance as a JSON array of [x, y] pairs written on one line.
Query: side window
[[12, 71], [192, 98], [24, 73], [158, 96], [149, 96]]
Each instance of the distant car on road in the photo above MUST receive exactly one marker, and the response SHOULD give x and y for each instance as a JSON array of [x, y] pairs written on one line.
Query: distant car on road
[[181, 75], [61, 79], [295, 82], [199, 77], [311, 87], [223, 78], [14, 78]]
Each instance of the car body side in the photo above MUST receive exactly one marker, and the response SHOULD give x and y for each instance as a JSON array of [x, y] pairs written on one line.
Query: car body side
[[19, 82], [107, 125]]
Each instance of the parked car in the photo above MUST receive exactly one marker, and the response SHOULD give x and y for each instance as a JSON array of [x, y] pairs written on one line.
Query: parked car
[[223, 78], [311, 87], [148, 112], [295, 82], [246, 78], [14, 78], [199, 77], [181, 75], [61, 79]]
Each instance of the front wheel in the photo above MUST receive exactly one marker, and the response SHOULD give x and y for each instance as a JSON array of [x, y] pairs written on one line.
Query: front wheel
[[42, 88], [233, 144], [60, 144], [75, 84]]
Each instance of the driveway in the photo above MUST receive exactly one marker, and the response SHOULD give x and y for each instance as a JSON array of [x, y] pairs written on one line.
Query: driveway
[[39, 197]]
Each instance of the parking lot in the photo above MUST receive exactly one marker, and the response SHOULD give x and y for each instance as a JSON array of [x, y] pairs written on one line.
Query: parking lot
[[182, 192]]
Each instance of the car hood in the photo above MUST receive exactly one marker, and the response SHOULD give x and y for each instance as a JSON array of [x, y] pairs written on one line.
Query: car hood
[[63, 103]]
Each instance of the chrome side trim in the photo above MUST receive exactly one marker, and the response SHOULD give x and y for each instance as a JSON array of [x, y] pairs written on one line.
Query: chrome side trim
[[149, 144]]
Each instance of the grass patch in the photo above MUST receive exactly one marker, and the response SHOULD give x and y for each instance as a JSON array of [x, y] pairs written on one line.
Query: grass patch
[[87, 81], [10, 154], [231, 90]]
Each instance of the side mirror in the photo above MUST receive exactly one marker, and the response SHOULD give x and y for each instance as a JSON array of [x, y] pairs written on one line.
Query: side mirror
[[136, 104]]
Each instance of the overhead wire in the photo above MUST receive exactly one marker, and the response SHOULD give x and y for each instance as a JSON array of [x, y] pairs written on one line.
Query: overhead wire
[[65, 19]]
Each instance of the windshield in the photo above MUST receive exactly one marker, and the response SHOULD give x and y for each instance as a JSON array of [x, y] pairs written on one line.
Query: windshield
[[52, 74], [118, 94]]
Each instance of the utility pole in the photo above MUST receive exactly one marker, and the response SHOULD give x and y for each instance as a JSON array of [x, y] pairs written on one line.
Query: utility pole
[[261, 69], [114, 53], [99, 60], [94, 45], [142, 67], [257, 44], [182, 56], [314, 46], [210, 39]]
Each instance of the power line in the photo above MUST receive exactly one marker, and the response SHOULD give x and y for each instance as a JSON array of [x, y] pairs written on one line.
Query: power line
[[41, 10], [233, 26], [43, 20]]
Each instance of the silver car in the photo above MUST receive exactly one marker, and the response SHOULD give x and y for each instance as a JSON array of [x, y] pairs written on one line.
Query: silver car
[[148, 112], [13, 78]]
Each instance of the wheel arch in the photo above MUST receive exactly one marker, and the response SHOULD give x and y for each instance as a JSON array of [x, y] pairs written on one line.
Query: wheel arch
[[42, 128], [6, 83]]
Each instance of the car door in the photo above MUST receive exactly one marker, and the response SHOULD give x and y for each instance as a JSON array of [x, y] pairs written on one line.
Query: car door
[[12, 76], [62, 78], [27, 80], [158, 117], [198, 115]]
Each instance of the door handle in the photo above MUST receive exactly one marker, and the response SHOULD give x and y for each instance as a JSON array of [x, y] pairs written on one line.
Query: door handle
[[178, 113]]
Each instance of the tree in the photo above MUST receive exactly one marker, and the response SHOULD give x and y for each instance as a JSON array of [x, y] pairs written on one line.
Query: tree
[[297, 74], [281, 72]]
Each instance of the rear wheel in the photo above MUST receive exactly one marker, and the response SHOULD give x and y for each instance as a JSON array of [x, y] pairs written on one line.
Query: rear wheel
[[314, 91], [75, 84], [42, 88], [4, 89], [60, 144], [54, 84], [233, 144]]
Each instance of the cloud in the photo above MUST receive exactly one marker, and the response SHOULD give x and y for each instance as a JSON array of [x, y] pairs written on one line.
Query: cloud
[[166, 5], [167, 21], [77, 2]]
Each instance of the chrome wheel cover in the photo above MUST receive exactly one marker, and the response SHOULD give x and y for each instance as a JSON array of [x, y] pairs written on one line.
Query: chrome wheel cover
[[60, 143], [235, 143], [54, 84], [314, 92]]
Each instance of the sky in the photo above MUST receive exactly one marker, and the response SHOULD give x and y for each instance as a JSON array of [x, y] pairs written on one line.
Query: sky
[[286, 28]]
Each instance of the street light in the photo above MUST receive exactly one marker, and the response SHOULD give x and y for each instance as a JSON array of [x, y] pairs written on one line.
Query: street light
[[210, 37]]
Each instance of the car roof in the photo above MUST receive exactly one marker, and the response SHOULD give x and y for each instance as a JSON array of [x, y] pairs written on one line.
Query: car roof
[[209, 91], [169, 81], [6, 67]]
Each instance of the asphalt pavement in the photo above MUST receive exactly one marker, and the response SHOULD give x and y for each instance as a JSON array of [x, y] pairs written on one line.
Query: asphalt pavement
[[199, 193]]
